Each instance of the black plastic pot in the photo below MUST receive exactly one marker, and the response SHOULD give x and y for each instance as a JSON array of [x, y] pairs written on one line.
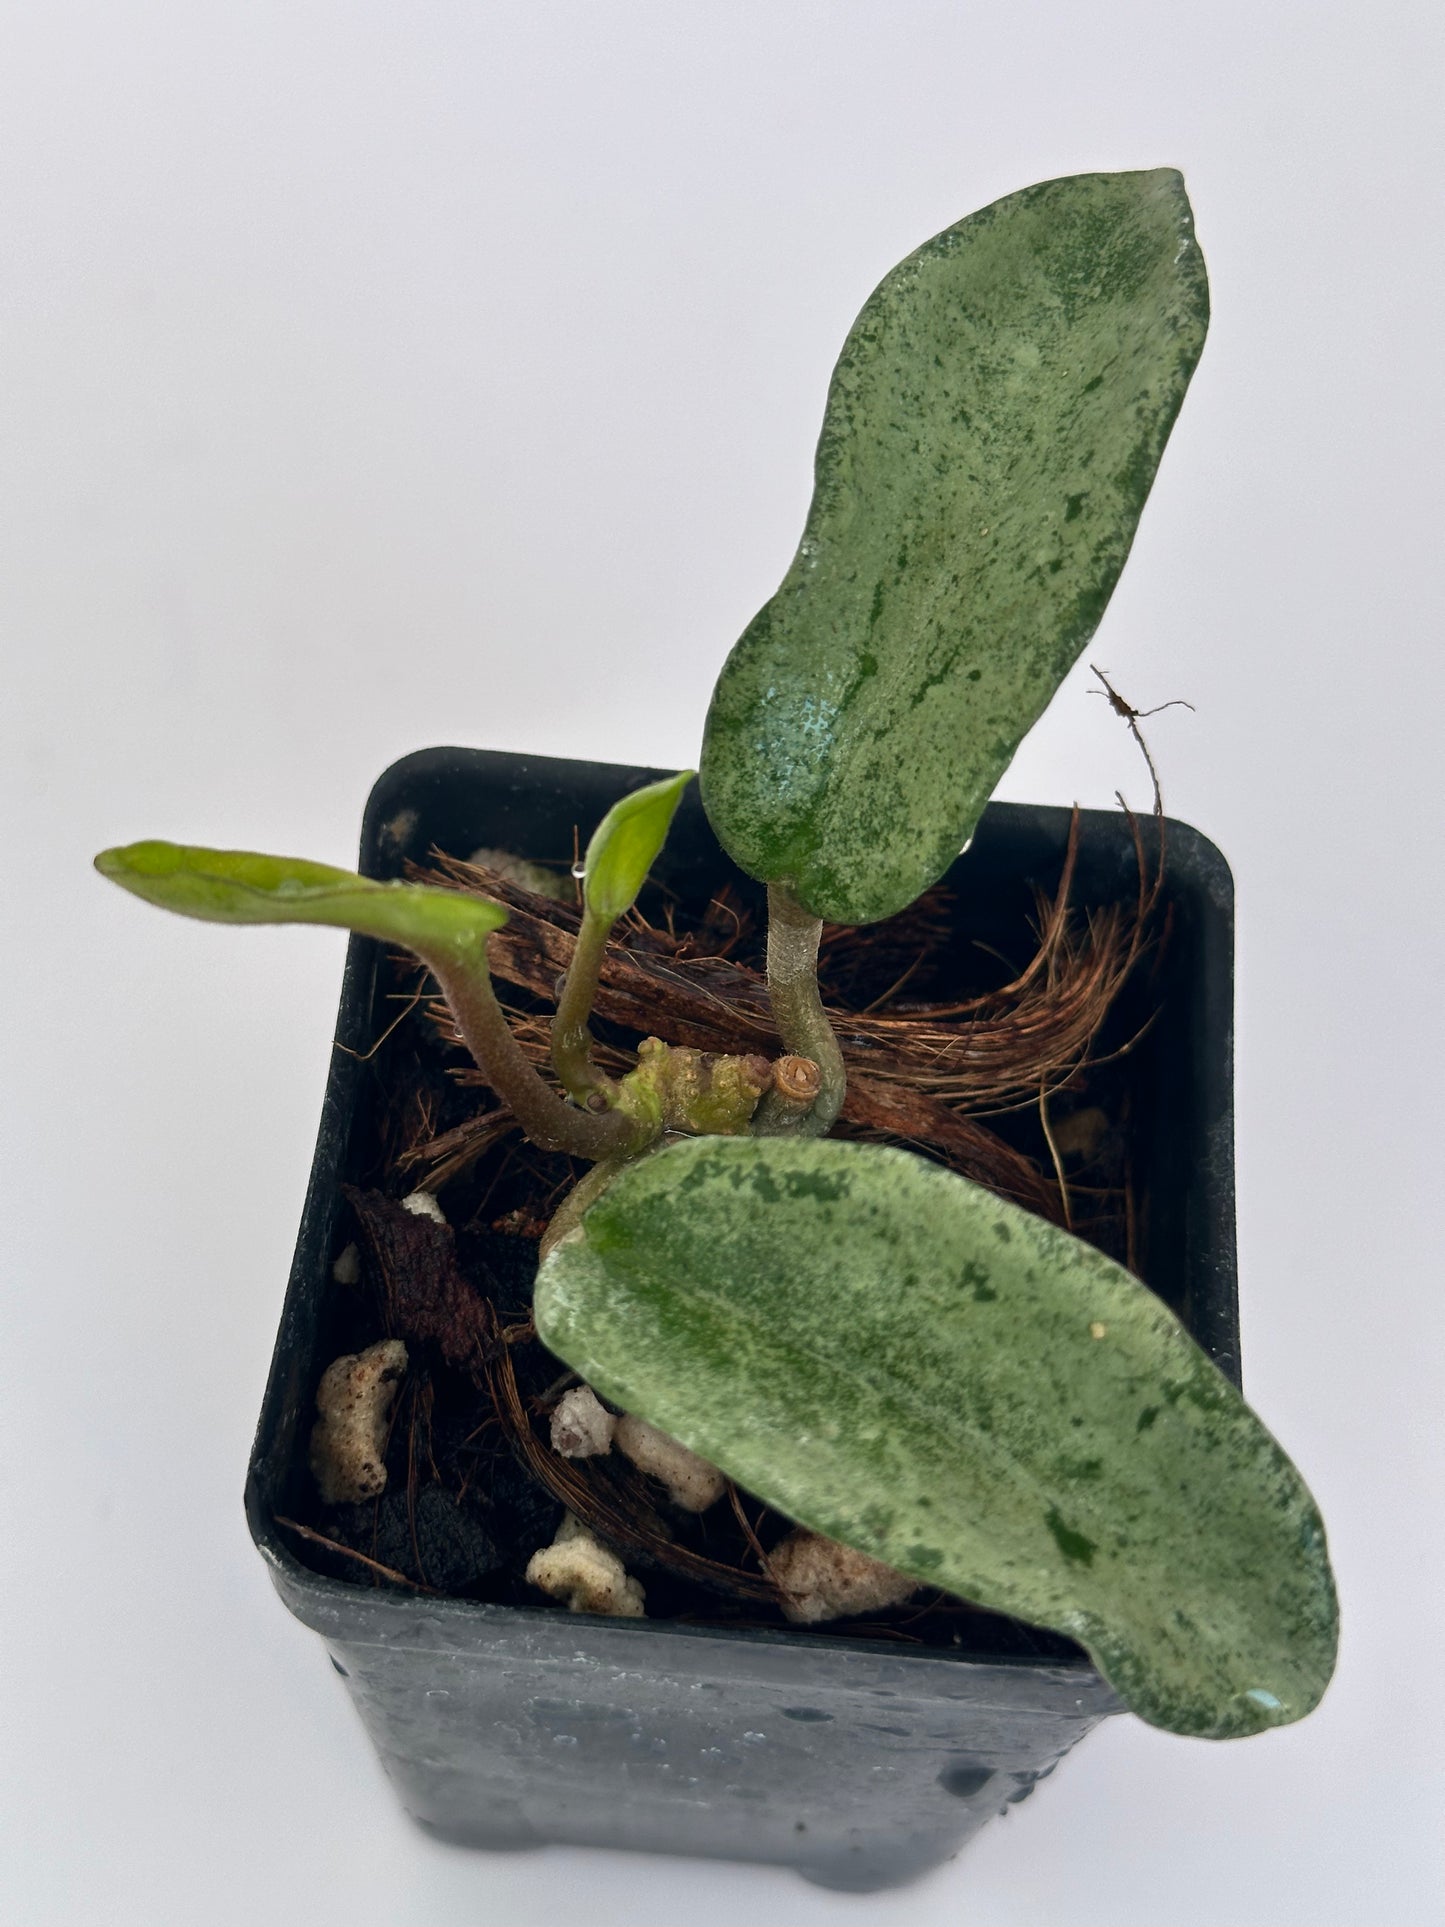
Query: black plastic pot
[[860, 1765]]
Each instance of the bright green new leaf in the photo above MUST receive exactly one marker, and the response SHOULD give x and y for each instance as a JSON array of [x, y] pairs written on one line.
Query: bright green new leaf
[[241, 886], [626, 843], [900, 1360], [992, 431]]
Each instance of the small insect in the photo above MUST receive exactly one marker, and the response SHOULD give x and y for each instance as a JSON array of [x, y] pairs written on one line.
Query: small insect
[[1127, 710], [1132, 717]]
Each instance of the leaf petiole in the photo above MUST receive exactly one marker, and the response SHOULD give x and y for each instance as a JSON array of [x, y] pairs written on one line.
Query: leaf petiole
[[793, 937]]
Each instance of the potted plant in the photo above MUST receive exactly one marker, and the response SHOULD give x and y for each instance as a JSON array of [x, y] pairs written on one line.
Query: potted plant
[[926, 1383]]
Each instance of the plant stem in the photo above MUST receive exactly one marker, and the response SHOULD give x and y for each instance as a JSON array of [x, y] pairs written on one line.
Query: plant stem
[[548, 1120], [571, 1040], [798, 1012]]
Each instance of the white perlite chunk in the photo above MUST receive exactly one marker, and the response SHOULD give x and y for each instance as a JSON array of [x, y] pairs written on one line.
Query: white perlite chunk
[[692, 1484], [577, 1569], [423, 1204], [582, 1426], [347, 1269], [824, 1580], [348, 1444]]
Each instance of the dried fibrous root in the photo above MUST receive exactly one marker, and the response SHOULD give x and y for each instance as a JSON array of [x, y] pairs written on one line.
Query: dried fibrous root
[[579, 1570], [348, 1442], [692, 1483], [582, 1426], [985, 1053], [914, 1072], [821, 1579]]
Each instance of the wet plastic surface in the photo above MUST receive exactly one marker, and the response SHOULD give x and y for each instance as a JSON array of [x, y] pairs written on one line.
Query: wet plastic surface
[[860, 1764]]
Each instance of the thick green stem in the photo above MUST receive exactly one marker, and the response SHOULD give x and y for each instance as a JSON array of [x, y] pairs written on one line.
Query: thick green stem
[[548, 1120], [798, 1012], [571, 1040]]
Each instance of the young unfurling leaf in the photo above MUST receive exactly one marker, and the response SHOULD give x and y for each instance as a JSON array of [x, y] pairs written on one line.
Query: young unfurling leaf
[[244, 886], [623, 849], [625, 846]]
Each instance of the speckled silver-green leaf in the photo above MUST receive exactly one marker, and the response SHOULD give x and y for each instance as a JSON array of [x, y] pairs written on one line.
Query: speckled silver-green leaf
[[896, 1358], [992, 430]]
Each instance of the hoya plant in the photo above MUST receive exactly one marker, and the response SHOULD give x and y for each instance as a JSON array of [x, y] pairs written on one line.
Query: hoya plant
[[876, 1347]]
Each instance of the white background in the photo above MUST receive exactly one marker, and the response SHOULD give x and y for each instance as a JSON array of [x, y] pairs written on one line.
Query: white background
[[379, 375]]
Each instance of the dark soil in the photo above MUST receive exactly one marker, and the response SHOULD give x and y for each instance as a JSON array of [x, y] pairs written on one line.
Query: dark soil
[[473, 1487]]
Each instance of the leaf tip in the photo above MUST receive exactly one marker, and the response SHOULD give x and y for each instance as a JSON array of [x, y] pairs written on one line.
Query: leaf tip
[[140, 867], [626, 844]]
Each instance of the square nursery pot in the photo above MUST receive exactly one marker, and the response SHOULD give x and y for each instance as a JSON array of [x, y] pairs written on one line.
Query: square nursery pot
[[858, 1763]]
